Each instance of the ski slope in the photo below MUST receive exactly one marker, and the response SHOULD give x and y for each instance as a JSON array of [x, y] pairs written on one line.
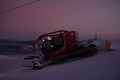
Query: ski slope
[[102, 66]]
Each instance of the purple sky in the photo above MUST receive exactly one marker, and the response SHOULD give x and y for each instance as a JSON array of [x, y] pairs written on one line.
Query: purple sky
[[87, 17]]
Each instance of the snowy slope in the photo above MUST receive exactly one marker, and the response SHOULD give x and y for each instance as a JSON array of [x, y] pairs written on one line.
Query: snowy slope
[[102, 66]]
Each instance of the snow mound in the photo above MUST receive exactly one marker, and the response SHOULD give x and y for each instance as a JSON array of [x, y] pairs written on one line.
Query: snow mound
[[3, 57]]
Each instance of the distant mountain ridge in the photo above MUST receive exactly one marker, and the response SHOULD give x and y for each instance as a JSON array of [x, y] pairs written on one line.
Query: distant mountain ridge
[[7, 45]]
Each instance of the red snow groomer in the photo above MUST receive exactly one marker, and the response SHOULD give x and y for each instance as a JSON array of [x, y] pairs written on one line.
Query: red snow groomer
[[57, 43], [62, 45]]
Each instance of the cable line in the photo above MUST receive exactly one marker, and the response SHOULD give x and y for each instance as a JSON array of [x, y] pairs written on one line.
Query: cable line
[[20, 6]]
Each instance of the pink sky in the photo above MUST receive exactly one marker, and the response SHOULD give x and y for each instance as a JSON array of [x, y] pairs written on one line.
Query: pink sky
[[84, 16]]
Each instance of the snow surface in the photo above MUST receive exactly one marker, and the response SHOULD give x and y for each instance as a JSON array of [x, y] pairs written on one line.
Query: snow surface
[[102, 66]]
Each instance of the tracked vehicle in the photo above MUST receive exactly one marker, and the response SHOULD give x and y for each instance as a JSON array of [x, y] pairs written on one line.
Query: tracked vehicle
[[60, 46]]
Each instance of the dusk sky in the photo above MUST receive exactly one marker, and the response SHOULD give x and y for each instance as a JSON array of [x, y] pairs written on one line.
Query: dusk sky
[[87, 17]]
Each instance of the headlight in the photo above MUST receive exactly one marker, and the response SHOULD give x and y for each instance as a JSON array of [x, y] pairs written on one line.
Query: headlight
[[49, 38]]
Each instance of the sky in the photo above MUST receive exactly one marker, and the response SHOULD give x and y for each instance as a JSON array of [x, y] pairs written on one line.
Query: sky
[[87, 17]]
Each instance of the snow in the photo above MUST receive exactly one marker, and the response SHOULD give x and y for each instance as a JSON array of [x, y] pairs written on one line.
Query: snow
[[102, 66]]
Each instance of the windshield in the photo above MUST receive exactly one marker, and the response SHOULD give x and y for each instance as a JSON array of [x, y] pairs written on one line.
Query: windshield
[[52, 45]]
